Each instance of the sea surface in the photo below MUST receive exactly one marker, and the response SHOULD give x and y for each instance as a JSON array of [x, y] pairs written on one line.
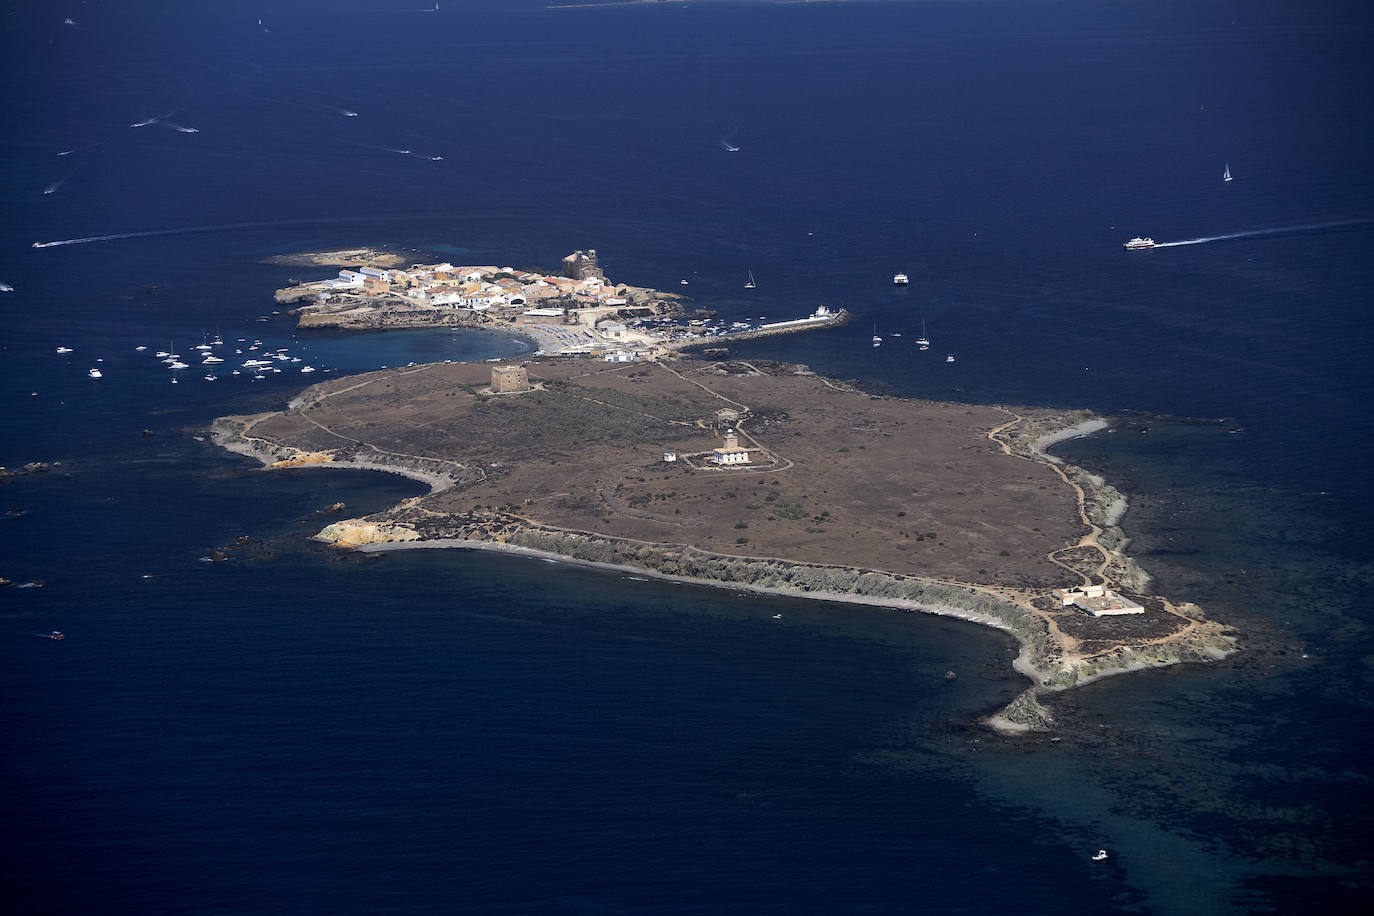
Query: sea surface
[[303, 730]]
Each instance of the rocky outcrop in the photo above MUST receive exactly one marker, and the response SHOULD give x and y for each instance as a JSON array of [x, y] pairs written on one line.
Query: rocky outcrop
[[356, 533]]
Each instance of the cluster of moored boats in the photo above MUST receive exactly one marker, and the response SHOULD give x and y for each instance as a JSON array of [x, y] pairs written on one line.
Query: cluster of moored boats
[[922, 342], [261, 360]]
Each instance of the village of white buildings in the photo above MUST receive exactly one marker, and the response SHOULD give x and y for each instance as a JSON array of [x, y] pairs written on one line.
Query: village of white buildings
[[578, 312]]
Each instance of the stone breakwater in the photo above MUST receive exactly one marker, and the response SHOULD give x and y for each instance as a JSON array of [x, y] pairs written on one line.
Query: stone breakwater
[[842, 317]]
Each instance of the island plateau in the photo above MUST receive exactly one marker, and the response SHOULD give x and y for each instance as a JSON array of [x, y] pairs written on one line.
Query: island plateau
[[757, 476]]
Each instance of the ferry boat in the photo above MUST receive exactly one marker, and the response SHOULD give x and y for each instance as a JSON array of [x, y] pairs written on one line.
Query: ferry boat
[[900, 279], [1139, 242]]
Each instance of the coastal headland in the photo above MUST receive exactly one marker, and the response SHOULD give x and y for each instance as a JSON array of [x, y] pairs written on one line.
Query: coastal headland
[[756, 476]]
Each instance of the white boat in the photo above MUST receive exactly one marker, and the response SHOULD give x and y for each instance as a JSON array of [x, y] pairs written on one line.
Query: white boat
[[751, 284], [1226, 175], [900, 279], [177, 364], [210, 360], [95, 373], [1101, 853], [64, 349], [162, 353], [307, 368], [212, 378], [1139, 242], [877, 341], [6, 288], [921, 341], [140, 348], [949, 358], [683, 282]]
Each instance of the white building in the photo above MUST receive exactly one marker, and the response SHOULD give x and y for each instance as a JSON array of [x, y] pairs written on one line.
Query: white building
[[730, 452], [1097, 600]]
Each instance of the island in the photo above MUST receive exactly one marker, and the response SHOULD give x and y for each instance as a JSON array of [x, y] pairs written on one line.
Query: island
[[575, 311], [757, 476]]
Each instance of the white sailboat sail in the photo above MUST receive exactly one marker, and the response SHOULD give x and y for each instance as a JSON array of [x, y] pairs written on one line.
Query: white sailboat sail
[[750, 284], [1226, 176]]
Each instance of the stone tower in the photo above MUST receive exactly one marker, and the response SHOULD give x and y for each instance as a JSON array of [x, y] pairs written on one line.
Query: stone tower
[[509, 379]]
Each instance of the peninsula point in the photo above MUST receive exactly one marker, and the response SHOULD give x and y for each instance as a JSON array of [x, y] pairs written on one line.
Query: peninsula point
[[757, 476]]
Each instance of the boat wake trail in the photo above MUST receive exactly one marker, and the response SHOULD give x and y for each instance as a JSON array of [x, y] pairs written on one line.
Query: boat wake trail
[[1282, 230], [268, 224]]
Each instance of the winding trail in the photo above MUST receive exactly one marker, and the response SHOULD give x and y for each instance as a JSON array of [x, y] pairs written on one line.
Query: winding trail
[[1090, 540]]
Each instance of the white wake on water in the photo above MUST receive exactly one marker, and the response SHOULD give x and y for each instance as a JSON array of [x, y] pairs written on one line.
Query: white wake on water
[[1259, 232]]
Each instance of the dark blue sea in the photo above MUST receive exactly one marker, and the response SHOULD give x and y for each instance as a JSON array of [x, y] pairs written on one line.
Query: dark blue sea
[[304, 730]]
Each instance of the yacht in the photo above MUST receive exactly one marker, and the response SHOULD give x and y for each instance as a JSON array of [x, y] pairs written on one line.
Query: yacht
[[949, 358], [877, 341], [1101, 855], [1226, 175], [900, 279], [921, 341], [751, 284], [177, 364], [64, 349], [1138, 242], [210, 360], [95, 373], [57, 634], [307, 368]]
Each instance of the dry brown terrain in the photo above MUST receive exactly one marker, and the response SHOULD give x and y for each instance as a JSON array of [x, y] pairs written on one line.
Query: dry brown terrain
[[904, 486], [852, 496]]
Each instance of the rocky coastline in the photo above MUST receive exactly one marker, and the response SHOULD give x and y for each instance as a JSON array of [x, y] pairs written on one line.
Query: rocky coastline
[[1050, 657]]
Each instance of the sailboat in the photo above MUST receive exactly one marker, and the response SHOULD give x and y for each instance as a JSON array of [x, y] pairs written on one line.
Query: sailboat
[[1226, 176], [751, 284], [921, 341], [877, 341]]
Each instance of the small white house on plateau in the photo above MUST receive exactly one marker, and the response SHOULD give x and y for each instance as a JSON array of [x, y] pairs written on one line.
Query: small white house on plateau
[[620, 356], [613, 331], [670, 457], [730, 452]]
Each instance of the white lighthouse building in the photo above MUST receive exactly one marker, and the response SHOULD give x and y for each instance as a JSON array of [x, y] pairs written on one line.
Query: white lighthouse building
[[730, 452]]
